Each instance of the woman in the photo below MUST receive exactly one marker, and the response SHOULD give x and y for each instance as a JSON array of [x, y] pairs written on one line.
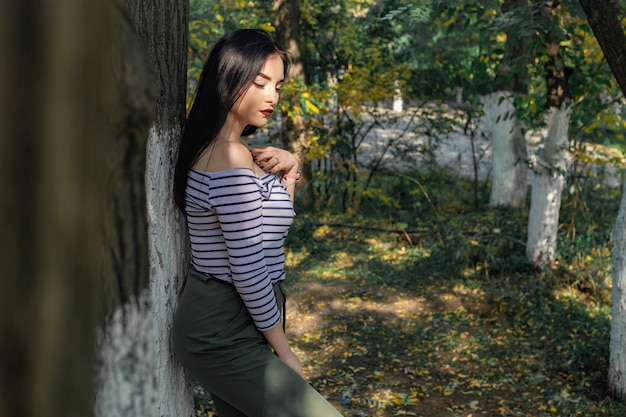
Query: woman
[[239, 207]]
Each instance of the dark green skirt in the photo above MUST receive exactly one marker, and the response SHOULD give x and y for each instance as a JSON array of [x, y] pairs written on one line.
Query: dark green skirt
[[218, 344]]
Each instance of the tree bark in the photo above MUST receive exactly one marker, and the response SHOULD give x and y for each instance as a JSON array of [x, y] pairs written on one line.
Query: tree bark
[[603, 17], [162, 25], [124, 345], [137, 374], [294, 130], [509, 175], [550, 165], [617, 345], [53, 129]]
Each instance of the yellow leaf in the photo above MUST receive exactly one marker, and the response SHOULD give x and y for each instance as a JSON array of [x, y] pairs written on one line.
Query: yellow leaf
[[219, 17], [312, 107], [268, 27], [397, 399]]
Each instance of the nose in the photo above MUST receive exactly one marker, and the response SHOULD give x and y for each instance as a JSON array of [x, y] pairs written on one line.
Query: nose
[[272, 95]]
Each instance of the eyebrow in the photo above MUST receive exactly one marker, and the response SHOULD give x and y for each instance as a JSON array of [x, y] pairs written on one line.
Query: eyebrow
[[267, 77]]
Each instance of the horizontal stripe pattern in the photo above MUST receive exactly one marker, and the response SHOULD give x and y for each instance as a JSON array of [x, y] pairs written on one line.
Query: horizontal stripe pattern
[[237, 225]]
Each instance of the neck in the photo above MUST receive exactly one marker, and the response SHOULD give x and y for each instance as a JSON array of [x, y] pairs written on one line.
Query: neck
[[230, 132]]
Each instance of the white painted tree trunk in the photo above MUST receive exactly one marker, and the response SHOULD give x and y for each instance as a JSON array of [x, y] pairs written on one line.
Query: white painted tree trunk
[[168, 261], [617, 356], [125, 384], [138, 374], [509, 169], [398, 102], [549, 166]]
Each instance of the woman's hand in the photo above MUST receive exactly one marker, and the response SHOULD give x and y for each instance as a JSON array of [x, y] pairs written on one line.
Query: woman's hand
[[275, 160], [277, 339], [293, 362]]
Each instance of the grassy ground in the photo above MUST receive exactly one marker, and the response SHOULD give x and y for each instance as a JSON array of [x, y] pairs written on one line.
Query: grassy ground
[[447, 319]]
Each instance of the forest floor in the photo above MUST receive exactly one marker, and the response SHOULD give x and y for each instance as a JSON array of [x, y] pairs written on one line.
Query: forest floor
[[386, 327], [389, 325]]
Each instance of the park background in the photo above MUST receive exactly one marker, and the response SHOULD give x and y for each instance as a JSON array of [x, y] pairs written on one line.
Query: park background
[[458, 249], [413, 290]]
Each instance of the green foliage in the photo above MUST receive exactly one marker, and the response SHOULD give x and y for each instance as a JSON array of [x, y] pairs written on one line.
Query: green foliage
[[360, 54]]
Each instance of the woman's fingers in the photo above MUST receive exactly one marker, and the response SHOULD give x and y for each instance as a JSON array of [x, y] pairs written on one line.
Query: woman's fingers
[[274, 159]]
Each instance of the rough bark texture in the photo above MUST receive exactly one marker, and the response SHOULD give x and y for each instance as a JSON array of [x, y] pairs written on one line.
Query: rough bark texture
[[162, 25], [126, 267], [509, 175], [124, 381], [52, 127], [603, 17], [137, 374]]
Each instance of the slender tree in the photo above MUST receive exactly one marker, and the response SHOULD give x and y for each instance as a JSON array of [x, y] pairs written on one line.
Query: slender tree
[[294, 129], [551, 163], [603, 17], [509, 174]]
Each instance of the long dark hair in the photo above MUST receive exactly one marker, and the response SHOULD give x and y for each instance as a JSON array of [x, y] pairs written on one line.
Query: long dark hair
[[232, 66]]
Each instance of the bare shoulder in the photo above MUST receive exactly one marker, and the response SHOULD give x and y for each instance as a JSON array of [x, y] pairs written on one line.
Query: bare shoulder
[[234, 154], [225, 155]]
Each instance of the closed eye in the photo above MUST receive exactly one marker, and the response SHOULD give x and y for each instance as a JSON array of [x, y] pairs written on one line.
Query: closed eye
[[261, 86]]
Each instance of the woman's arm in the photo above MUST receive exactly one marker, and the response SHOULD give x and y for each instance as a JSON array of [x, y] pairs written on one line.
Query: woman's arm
[[277, 160], [277, 339]]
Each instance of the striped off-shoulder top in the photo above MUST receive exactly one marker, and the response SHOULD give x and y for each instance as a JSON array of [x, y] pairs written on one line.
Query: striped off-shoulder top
[[237, 226]]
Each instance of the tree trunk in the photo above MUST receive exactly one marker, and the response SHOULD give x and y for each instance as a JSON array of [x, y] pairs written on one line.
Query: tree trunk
[[603, 17], [52, 137], [295, 130], [617, 346], [124, 337], [508, 152], [137, 374], [162, 25], [508, 149], [549, 168], [550, 165]]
